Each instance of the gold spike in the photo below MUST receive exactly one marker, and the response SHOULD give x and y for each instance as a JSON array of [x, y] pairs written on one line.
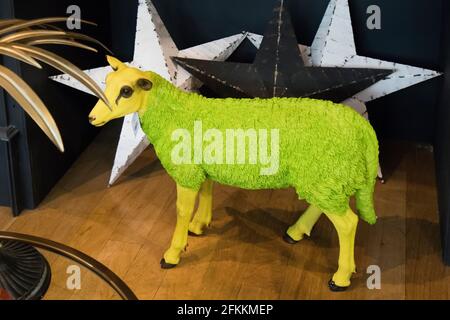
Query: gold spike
[[8, 22], [87, 38], [37, 22], [8, 50], [30, 34], [61, 42], [64, 66], [31, 103], [67, 36], [52, 27]]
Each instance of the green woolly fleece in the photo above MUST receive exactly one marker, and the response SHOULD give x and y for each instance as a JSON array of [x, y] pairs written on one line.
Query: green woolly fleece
[[327, 152]]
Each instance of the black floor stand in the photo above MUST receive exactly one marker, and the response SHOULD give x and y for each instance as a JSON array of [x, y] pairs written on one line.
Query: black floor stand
[[24, 273]]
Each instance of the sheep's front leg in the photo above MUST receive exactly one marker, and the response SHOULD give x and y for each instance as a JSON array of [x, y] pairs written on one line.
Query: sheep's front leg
[[303, 226], [346, 229], [185, 207], [203, 216]]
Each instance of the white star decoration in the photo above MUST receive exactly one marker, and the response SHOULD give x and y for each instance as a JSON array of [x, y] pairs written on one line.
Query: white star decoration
[[333, 46]]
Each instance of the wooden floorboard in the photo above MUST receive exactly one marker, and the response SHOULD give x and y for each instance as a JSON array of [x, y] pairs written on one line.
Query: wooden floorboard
[[242, 256], [426, 275]]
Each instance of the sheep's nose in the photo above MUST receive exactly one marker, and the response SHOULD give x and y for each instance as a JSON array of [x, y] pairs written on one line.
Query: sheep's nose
[[91, 119]]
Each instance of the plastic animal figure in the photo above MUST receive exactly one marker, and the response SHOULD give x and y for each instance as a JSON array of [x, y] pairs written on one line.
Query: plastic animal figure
[[327, 152]]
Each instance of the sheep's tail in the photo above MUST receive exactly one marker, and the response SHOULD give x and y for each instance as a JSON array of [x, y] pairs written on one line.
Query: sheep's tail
[[364, 196]]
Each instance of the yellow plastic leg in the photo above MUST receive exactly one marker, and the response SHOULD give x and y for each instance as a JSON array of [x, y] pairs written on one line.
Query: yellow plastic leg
[[346, 228], [203, 215], [185, 207], [305, 224]]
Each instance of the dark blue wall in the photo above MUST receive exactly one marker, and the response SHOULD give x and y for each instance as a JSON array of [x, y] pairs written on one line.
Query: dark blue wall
[[40, 164], [442, 145]]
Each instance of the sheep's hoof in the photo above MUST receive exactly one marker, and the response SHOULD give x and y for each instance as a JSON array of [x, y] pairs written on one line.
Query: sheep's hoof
[[165, 265], [287, 238], [196, 228], [335, 288], [193, 234]]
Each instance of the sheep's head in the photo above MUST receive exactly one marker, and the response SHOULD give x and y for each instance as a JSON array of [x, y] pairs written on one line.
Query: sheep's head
[[126, 90]]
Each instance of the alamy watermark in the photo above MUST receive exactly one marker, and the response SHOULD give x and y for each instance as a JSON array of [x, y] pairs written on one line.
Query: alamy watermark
[[74, 279], [374, 279], [74, 20], [228, 146], [374, 20]]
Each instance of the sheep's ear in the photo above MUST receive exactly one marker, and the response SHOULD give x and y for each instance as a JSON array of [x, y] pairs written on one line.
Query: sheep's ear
[[145, 84], [116, 64]]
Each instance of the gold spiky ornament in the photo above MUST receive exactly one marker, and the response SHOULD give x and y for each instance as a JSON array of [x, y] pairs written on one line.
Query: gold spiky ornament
[[20, 39], [24, 272]]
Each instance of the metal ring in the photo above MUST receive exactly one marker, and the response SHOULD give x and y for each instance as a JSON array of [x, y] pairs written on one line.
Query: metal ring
[[77, 256]]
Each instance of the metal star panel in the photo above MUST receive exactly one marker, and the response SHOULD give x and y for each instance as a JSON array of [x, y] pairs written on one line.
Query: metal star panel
[[279, 71]]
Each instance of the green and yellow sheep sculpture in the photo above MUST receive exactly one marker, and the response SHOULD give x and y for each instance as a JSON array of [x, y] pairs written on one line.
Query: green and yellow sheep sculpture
[[326, 151]]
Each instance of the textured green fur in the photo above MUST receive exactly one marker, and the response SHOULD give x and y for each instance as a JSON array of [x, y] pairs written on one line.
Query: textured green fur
[[328, 152]]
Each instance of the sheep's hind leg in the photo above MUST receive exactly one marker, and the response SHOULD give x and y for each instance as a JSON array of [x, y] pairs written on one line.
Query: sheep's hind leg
[[203, 216], [303, 226], [346, 228], [185, 207]]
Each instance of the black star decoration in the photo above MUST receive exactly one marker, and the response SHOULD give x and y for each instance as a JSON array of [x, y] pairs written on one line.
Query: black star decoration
[[279, 71]]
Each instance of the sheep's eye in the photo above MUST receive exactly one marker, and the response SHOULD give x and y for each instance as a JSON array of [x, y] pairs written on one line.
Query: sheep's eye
[[126, 92], [144, 84]]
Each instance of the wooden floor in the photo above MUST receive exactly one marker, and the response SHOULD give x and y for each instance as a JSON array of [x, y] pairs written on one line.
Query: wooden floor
[[242, 255]]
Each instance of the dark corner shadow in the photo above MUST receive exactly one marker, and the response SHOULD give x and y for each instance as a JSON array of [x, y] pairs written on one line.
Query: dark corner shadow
[[404, 242], [424, 262], [152, 167], [142, 168], [392, 154], [98, 157], [264, 228]]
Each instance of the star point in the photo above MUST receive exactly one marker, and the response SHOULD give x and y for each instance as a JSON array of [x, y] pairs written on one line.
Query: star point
[[279, 70]]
